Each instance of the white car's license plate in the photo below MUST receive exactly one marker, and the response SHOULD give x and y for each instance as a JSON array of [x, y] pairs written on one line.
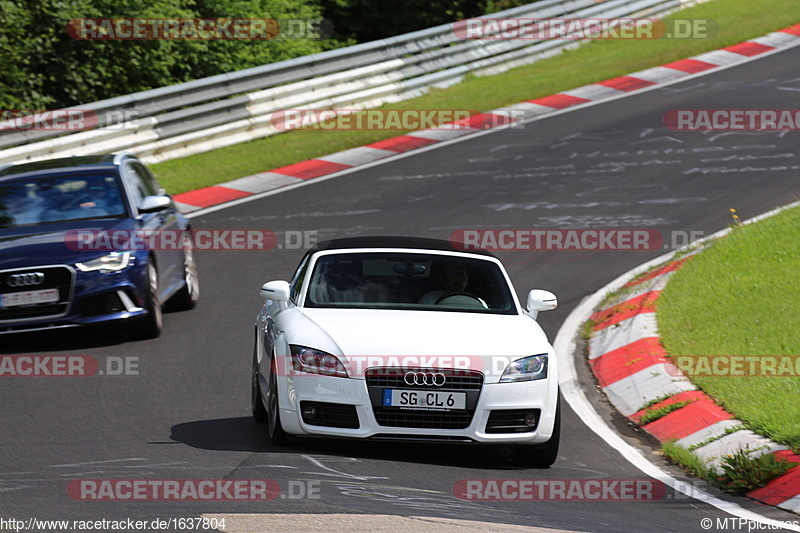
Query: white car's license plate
[[423, 399], [42, 296]]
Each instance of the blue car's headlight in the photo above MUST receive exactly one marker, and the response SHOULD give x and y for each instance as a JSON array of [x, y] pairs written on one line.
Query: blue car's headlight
[[316, 362], [526, 369], [113, 262]]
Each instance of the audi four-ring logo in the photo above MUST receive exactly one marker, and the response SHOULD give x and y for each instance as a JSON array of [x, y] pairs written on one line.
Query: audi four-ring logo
[[27, 279], [425, 378]]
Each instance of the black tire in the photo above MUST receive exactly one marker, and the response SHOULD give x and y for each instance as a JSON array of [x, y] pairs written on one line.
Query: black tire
[[186, 298], [540, 455], [274, 427], [149, 326], [256, 400]]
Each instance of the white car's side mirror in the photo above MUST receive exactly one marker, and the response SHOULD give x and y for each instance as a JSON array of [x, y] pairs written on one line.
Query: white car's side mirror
[[539, 300], [277, 290]]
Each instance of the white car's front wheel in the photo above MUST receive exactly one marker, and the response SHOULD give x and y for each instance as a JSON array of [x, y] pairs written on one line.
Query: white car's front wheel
[[540, 455], [274, 428], [256, 401]]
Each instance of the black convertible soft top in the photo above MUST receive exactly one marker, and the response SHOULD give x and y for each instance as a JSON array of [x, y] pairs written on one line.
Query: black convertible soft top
[[416, 243]]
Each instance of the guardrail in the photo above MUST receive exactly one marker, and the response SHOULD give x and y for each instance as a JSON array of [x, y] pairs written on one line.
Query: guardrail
[[202, 115]]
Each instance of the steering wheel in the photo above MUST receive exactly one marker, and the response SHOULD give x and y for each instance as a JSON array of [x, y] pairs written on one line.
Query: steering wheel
[[72, 201], [461, 294]]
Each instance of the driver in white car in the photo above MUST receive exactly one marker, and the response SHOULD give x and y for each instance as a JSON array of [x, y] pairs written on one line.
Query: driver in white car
[[454, 279]]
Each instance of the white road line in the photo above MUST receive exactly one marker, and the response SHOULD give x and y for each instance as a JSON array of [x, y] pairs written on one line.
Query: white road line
[[99, 462], [337, 473]]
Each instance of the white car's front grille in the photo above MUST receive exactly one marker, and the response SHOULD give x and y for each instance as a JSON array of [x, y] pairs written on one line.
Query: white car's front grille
[[379, 380]]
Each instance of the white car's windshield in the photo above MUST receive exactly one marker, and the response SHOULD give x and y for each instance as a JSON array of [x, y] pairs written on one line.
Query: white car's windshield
[[404, 280]]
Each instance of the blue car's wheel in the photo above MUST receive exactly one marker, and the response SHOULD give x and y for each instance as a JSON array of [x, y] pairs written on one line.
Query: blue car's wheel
[[186, 298], [149, 326]]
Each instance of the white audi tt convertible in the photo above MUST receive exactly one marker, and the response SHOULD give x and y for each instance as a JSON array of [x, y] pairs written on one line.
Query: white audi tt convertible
[[406, 339]]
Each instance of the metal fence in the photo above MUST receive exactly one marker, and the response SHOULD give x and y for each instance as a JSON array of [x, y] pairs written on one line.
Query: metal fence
[[202, 115]]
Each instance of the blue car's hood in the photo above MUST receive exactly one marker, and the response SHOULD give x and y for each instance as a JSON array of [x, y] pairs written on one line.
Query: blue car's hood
[[48, 243]]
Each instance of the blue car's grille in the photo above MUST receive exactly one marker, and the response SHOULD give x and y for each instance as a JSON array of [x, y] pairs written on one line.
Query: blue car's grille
[[52, 277]]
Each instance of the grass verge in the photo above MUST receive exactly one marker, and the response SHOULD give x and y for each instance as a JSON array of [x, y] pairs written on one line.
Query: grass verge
[[738, 20], [743, 473], [688, 461], [739, 472], [741, 297], [651, 415]]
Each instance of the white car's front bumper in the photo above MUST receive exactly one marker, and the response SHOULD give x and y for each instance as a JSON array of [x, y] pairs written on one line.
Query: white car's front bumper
[[300, 387]]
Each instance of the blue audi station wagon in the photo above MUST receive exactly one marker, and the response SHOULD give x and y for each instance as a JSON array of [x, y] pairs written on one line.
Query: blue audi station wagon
[[76, 246]]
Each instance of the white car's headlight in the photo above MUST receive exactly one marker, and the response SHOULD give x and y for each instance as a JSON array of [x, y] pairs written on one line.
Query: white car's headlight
[[113, 262], [316, 362], [526, 369]]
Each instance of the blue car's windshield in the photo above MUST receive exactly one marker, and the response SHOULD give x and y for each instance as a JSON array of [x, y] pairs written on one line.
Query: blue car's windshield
[[39, 200]]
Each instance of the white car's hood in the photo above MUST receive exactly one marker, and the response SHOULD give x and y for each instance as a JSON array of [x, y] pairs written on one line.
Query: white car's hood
[[438, 337]]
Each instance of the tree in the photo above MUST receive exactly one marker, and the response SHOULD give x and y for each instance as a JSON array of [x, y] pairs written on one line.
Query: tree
[[369, 20], [43, 67]]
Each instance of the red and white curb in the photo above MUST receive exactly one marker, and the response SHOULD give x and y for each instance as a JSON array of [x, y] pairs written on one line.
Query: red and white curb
[[634, 371], [498, 118]]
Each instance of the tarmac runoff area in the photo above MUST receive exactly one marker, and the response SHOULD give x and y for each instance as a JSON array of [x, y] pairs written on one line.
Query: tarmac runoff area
[[330, 523]]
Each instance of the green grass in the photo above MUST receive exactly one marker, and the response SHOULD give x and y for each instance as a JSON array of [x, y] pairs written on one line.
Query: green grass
[[738, 20], [688, 461], [741, 296], [739, 472], [742, 473], [651, 415], [654, 401]]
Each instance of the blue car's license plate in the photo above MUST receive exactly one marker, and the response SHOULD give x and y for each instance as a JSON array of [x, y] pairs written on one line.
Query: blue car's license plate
[[43, 296]]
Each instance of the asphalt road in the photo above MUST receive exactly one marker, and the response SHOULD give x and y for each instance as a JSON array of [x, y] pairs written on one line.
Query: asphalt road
[[186, 414]]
